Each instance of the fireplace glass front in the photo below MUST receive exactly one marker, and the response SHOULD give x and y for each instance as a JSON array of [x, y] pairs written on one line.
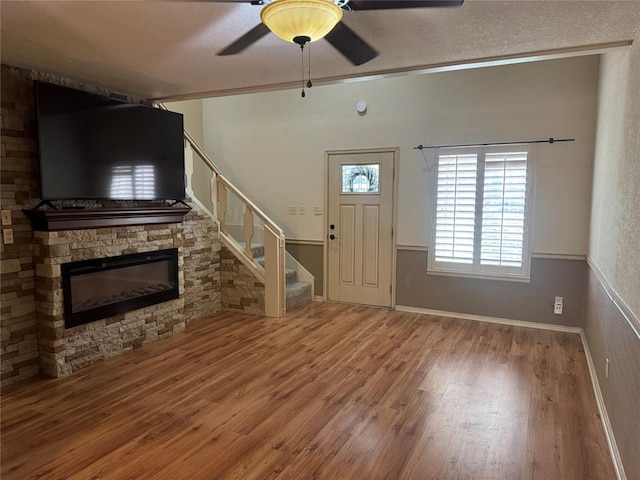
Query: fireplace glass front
[[103, 287]]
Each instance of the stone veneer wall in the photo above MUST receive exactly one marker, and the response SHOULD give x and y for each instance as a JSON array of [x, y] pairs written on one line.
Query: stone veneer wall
[[64, 351], [197, 239], [19, 185], [241, 292], [201, 250]]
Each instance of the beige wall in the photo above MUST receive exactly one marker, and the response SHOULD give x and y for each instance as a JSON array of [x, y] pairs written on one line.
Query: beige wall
[[615, 228], [192, 111], [613, 296], [272, 144], [201, 178]]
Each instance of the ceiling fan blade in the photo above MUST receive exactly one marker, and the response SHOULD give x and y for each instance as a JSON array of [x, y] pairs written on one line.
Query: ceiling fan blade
[[349, 44], [253, 35], [395, 4]]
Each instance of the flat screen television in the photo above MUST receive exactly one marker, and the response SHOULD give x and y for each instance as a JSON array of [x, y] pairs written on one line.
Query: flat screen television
[[99, 147]]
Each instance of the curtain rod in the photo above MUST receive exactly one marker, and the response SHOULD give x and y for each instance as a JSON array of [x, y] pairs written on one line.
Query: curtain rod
[[550, 140]]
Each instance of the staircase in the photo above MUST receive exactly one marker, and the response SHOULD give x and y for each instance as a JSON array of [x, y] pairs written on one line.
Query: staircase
[[298, 293], [268, 260]]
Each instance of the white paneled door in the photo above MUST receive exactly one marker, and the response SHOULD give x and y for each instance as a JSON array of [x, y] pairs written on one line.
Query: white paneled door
[[360, 227]]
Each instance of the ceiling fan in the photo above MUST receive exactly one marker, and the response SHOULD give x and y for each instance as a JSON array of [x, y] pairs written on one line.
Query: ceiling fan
[[302, 21]]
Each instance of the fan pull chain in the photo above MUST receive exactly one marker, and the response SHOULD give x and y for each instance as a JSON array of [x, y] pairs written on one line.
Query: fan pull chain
[[302, 65], [302, 40], [309, 84]]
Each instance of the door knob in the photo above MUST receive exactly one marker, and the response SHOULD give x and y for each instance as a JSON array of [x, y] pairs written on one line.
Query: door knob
[[332, 226], [332, 237]]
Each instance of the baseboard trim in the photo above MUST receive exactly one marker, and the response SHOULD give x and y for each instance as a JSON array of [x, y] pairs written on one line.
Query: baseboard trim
[[606, 423], [318, 298], [481, 318]]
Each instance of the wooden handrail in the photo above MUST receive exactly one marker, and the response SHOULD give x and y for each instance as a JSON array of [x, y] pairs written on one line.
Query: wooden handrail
[[230, 186], [201, 153], [257, 212], [272, 275]]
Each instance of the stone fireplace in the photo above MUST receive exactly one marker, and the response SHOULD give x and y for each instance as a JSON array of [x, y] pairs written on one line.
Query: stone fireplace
[[65, 350]]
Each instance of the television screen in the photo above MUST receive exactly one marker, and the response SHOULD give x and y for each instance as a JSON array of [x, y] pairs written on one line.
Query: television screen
[[98, 147]]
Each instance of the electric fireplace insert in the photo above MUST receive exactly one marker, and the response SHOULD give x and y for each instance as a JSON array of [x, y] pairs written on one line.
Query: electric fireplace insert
[[104, 287]]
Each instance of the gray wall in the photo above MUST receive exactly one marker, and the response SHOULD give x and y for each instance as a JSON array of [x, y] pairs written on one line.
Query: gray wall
[[310, 256], [609, 335], [613, 250], [532, 302]]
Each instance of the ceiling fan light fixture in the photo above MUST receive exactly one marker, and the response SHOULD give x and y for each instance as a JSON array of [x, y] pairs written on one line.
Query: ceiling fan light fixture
[[290, 19]]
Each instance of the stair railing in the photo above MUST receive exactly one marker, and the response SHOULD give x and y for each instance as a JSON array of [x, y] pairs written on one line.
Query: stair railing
[[222, 191]]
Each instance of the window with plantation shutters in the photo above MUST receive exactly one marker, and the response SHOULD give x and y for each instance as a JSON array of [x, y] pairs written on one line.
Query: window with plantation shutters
[[481, 213]]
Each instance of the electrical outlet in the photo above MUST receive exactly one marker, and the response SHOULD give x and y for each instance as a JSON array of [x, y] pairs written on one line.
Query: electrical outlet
[[6, 217], [557, 306], [301, 210], [317, 210], [606, 367], [293, 210], [7, 235]]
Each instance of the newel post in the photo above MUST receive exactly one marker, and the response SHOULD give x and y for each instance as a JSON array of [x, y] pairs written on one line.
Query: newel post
[[274, 283]]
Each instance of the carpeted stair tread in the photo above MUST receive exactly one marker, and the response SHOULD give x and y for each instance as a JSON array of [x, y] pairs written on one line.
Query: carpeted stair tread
[[298, 293]]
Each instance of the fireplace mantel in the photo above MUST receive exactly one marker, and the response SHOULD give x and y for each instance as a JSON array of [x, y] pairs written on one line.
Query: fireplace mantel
[[80, 219]]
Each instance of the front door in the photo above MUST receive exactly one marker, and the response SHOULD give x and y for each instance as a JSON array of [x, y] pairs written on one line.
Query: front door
[[360, 227]]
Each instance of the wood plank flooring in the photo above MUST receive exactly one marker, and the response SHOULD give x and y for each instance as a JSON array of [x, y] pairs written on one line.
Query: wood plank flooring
[[328, 392]]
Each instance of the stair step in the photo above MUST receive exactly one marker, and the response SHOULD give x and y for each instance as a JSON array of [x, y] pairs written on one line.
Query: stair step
[[256, 248], [291, 275], [298, 294]]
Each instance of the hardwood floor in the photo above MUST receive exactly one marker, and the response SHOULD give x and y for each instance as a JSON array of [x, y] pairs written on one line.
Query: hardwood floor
[[328, 392]]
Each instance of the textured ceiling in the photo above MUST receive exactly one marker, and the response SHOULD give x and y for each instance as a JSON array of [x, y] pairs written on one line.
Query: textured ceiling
[[162, 49]]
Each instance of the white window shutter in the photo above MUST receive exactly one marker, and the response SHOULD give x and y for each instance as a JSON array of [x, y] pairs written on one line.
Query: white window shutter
[[455, 208], [503, 209]]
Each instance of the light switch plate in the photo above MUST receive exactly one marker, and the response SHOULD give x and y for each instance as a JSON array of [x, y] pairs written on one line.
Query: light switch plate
[[6, 217], [293, 210], [301, 210], [7, 235], [317, 210]]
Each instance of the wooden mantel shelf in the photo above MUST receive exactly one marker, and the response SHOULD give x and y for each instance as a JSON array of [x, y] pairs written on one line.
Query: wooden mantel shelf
[[79, 219]]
